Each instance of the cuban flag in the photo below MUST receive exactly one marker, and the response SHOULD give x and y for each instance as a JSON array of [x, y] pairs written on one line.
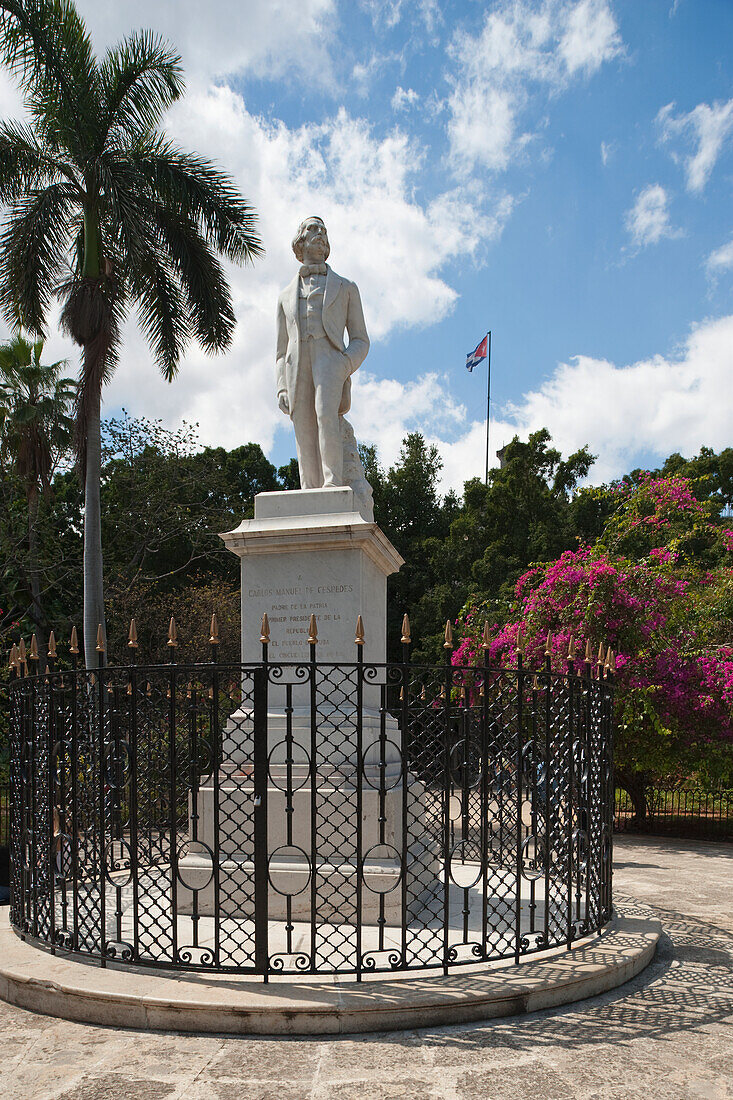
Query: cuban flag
[[477, 355]]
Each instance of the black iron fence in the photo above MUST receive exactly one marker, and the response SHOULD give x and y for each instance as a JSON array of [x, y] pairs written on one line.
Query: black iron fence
[[678, 811], [311, 817], [4, 815]]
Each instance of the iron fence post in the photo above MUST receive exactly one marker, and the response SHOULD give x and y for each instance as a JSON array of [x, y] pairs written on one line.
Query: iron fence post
[[262, 952]]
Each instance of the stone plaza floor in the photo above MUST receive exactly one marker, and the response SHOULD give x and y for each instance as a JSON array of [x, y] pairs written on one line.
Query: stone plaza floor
[[666, 1035]]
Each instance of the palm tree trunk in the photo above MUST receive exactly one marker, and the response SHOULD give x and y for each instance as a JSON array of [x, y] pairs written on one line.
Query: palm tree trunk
[[93, 577]]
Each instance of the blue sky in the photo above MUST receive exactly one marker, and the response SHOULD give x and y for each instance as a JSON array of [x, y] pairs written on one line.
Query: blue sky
[[556, 170]]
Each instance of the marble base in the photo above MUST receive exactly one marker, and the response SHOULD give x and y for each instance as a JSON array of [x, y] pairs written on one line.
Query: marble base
[[290, 864], [311, 552], [307, 553]]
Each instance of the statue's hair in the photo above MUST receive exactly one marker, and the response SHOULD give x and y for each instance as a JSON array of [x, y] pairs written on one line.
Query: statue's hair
[[300, 236]]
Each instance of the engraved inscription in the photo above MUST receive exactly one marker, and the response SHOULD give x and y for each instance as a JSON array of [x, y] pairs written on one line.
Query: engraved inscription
[[289, 610]]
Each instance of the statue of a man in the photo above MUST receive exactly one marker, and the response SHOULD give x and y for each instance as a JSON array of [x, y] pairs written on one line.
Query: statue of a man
[[314, 365]]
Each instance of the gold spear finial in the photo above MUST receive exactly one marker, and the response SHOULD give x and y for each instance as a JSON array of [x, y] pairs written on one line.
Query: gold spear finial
[[406, 638], [487, 637], [214, 630], [588, 654], [52, 645], [22, 653], [100, 639], [74, 646], [172, 633], [548, 644], [608, 659], [312, 631], [519, 640], [448, 643], [612, 661], [33, 652], [14, 657], [571, 648], [359, 638], [132, 636], [265, 629], [601, 654]]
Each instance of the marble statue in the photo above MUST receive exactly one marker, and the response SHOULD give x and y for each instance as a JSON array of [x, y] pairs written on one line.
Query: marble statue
[[314, 366]]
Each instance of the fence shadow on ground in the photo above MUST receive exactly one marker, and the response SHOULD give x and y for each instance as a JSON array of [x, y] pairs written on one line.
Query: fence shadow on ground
[[687, 985]]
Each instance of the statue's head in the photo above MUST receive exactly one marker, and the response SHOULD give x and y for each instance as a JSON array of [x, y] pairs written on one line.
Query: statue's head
[[311, 235]]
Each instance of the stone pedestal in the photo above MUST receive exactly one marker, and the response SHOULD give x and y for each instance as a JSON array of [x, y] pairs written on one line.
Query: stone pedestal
[[310, 552]]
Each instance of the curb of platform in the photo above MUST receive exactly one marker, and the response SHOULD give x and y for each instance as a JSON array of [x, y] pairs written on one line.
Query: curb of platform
[[183, 1001]]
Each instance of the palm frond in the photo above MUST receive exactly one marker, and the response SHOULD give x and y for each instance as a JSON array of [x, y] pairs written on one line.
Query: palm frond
[[24, 164], [33, 248], [129, 210], [140, 78], [203, 280], [202, 193], [163, 313], [46, 46]]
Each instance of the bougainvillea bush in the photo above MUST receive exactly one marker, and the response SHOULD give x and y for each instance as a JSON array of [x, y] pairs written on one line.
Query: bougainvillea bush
[[658, 588]]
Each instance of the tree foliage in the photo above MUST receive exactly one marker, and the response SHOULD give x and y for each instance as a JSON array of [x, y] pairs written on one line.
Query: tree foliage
[[656, 586]]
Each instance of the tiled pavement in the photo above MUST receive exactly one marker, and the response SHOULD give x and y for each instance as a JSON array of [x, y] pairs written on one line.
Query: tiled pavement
[[667, 1035]]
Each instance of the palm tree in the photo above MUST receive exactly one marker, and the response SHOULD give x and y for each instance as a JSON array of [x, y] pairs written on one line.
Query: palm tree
[[35, 431], [107, 213]]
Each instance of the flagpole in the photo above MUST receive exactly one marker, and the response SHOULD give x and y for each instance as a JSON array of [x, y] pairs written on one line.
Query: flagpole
[[488, 402]]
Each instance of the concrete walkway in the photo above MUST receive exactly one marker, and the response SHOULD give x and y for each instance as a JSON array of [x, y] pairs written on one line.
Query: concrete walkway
[[666, 1034]]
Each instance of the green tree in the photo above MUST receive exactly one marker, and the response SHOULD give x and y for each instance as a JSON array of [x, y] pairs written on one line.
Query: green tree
[[416, 518], [35, 431], [92, 184], [523, 515]]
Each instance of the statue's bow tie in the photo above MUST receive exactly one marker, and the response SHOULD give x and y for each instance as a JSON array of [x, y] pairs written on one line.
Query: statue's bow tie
[[313, 269]]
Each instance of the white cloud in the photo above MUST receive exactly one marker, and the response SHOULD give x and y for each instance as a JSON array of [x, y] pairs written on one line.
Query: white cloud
[[271, 39], [624, 413], [404, 98], [707, 128], [607, 151], [720, 260], [11, 100], [393, 246], [590, 37], [657, 405], [521, 44], [384, 410], [388, 13], [648, 219]]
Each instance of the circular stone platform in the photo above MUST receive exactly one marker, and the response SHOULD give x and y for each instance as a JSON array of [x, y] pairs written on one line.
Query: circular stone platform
[[136, 997]]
